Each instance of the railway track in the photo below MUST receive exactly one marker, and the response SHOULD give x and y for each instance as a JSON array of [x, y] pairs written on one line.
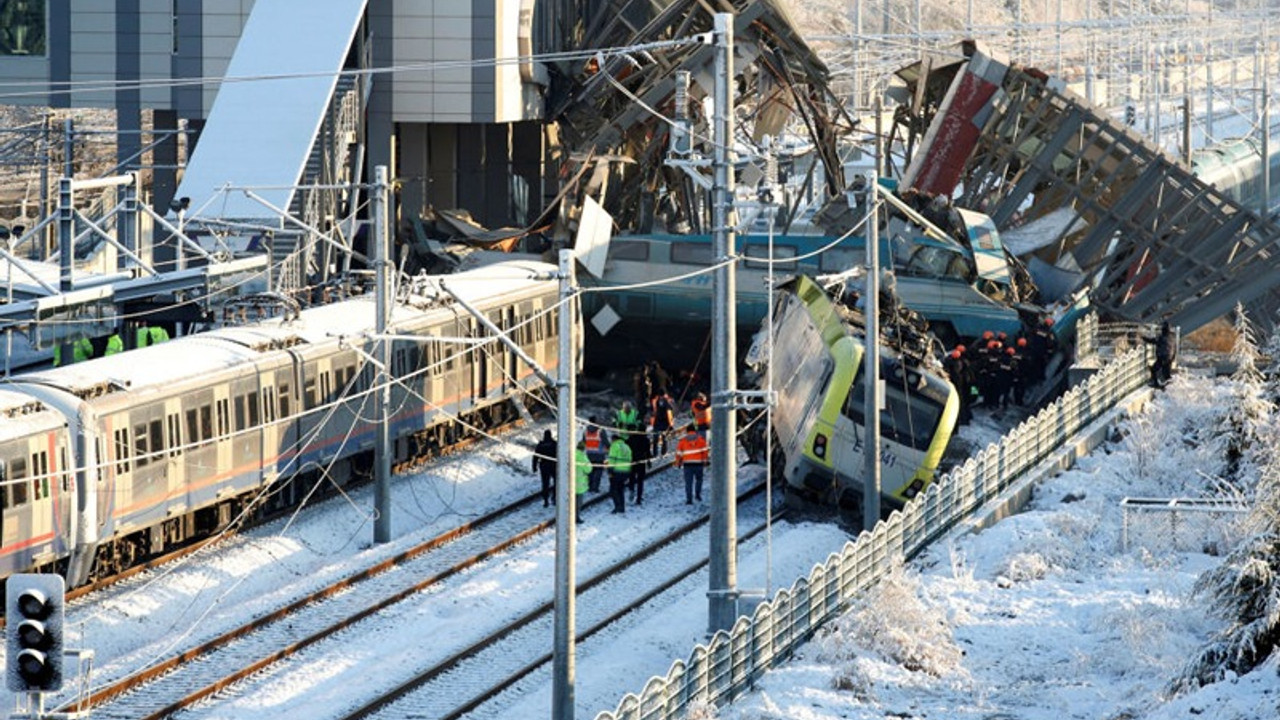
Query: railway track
[[263, 519], [473, 676], [189, 676]]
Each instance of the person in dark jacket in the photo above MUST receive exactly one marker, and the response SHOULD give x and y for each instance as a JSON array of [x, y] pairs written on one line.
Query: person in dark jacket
[[639, 445], [544, 460], [1166, 353]]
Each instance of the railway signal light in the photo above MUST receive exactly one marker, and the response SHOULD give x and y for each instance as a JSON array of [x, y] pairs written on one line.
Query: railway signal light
[[33, 622]]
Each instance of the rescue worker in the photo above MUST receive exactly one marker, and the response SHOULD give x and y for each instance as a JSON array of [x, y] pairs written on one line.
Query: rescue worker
[[1013, 379], [581, 478], [596, 442], [639, 444], [619, 463], [1166, 352], [114, 345], [658, 378], [642, 386], [701, 410], [627, 418], [661, 417], [691, 456], [544, 461], [1041, 346], [81, 350], [148, 335], [957, 367]]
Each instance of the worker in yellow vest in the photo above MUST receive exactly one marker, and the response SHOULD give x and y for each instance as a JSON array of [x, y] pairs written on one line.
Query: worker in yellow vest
[[81, 350], [148, 335], [114, 345]]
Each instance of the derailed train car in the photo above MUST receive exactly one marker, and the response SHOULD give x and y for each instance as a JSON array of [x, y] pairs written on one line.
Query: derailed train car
[[108, 462], [818, 373]]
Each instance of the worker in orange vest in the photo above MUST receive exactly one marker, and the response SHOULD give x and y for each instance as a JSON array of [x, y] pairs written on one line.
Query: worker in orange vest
[[692, 455], [701, 409], [596, 443]]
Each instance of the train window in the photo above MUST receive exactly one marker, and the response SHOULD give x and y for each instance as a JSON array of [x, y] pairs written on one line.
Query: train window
[[284, 399], [309, 393], [156, 429], [206, 422], [140, 445], [175, 439], [224, 418], [268, 404], [40, 475], [18, 488], [240, 414], [628, 250], [326, 387], [780, 253], [688, 253], [122, 450], [252, 402], [841, 259], [66, 467]]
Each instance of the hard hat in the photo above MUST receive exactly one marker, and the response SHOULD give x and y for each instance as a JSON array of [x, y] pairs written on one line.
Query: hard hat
[[1010, 351], [955, 354], [987, 335], [1048, 321], [1022, 342], [992, 344], [1002, 336], [960, 348]]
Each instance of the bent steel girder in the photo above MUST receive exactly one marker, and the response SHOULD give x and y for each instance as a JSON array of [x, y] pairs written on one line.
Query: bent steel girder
[[1154, 240], [595, 115]]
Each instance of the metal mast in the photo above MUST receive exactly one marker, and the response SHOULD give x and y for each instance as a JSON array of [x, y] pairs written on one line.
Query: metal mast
[[722, 594]]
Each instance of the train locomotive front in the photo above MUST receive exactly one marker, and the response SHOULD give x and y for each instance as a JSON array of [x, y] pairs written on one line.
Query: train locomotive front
[[819, 421]]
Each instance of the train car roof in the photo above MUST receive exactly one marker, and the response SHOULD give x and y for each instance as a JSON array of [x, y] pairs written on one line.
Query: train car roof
[[22, 415], [192, 356], [162, 364]]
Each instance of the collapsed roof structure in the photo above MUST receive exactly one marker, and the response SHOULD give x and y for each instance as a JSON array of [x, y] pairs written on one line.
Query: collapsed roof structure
[[1153, 241], [617, 114]]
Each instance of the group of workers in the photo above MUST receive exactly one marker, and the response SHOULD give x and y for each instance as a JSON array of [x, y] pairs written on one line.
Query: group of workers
[[998, 371], [89, 348], [625, 448]]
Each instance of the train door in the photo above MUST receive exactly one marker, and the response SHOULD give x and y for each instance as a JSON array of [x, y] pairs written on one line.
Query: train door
[[246, 451], [287, 383], [201, 457], [517, 335], [150, 463], [174, 475], [475, 365], [270, 434]]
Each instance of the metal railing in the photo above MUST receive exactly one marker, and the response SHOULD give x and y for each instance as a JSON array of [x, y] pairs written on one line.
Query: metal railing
[[1197, 524], [728, 666]]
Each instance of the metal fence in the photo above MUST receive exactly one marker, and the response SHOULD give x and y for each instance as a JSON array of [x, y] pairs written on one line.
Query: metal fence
[[1190, 524], [728, 666]]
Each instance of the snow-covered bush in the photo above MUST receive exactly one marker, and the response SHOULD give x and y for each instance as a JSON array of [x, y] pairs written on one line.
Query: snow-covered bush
[[1246, 429], [893, 621], [1245, 591]]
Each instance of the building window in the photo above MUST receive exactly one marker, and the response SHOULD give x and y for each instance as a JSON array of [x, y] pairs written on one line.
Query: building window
[[22, 27]]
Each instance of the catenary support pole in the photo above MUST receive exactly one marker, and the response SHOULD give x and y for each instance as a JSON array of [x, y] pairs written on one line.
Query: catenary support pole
[[562, 664], [723, 562], [871, 362], [1265, 126], [382, 448]]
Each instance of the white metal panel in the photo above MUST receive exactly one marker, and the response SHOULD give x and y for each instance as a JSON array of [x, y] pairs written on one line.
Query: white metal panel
[[266, 115]]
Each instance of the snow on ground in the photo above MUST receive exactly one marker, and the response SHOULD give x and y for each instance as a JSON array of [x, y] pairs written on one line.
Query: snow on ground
[[1041, 617]]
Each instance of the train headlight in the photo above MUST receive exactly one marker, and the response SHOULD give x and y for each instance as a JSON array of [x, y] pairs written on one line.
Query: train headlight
[[820, 446], [914, 488]]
